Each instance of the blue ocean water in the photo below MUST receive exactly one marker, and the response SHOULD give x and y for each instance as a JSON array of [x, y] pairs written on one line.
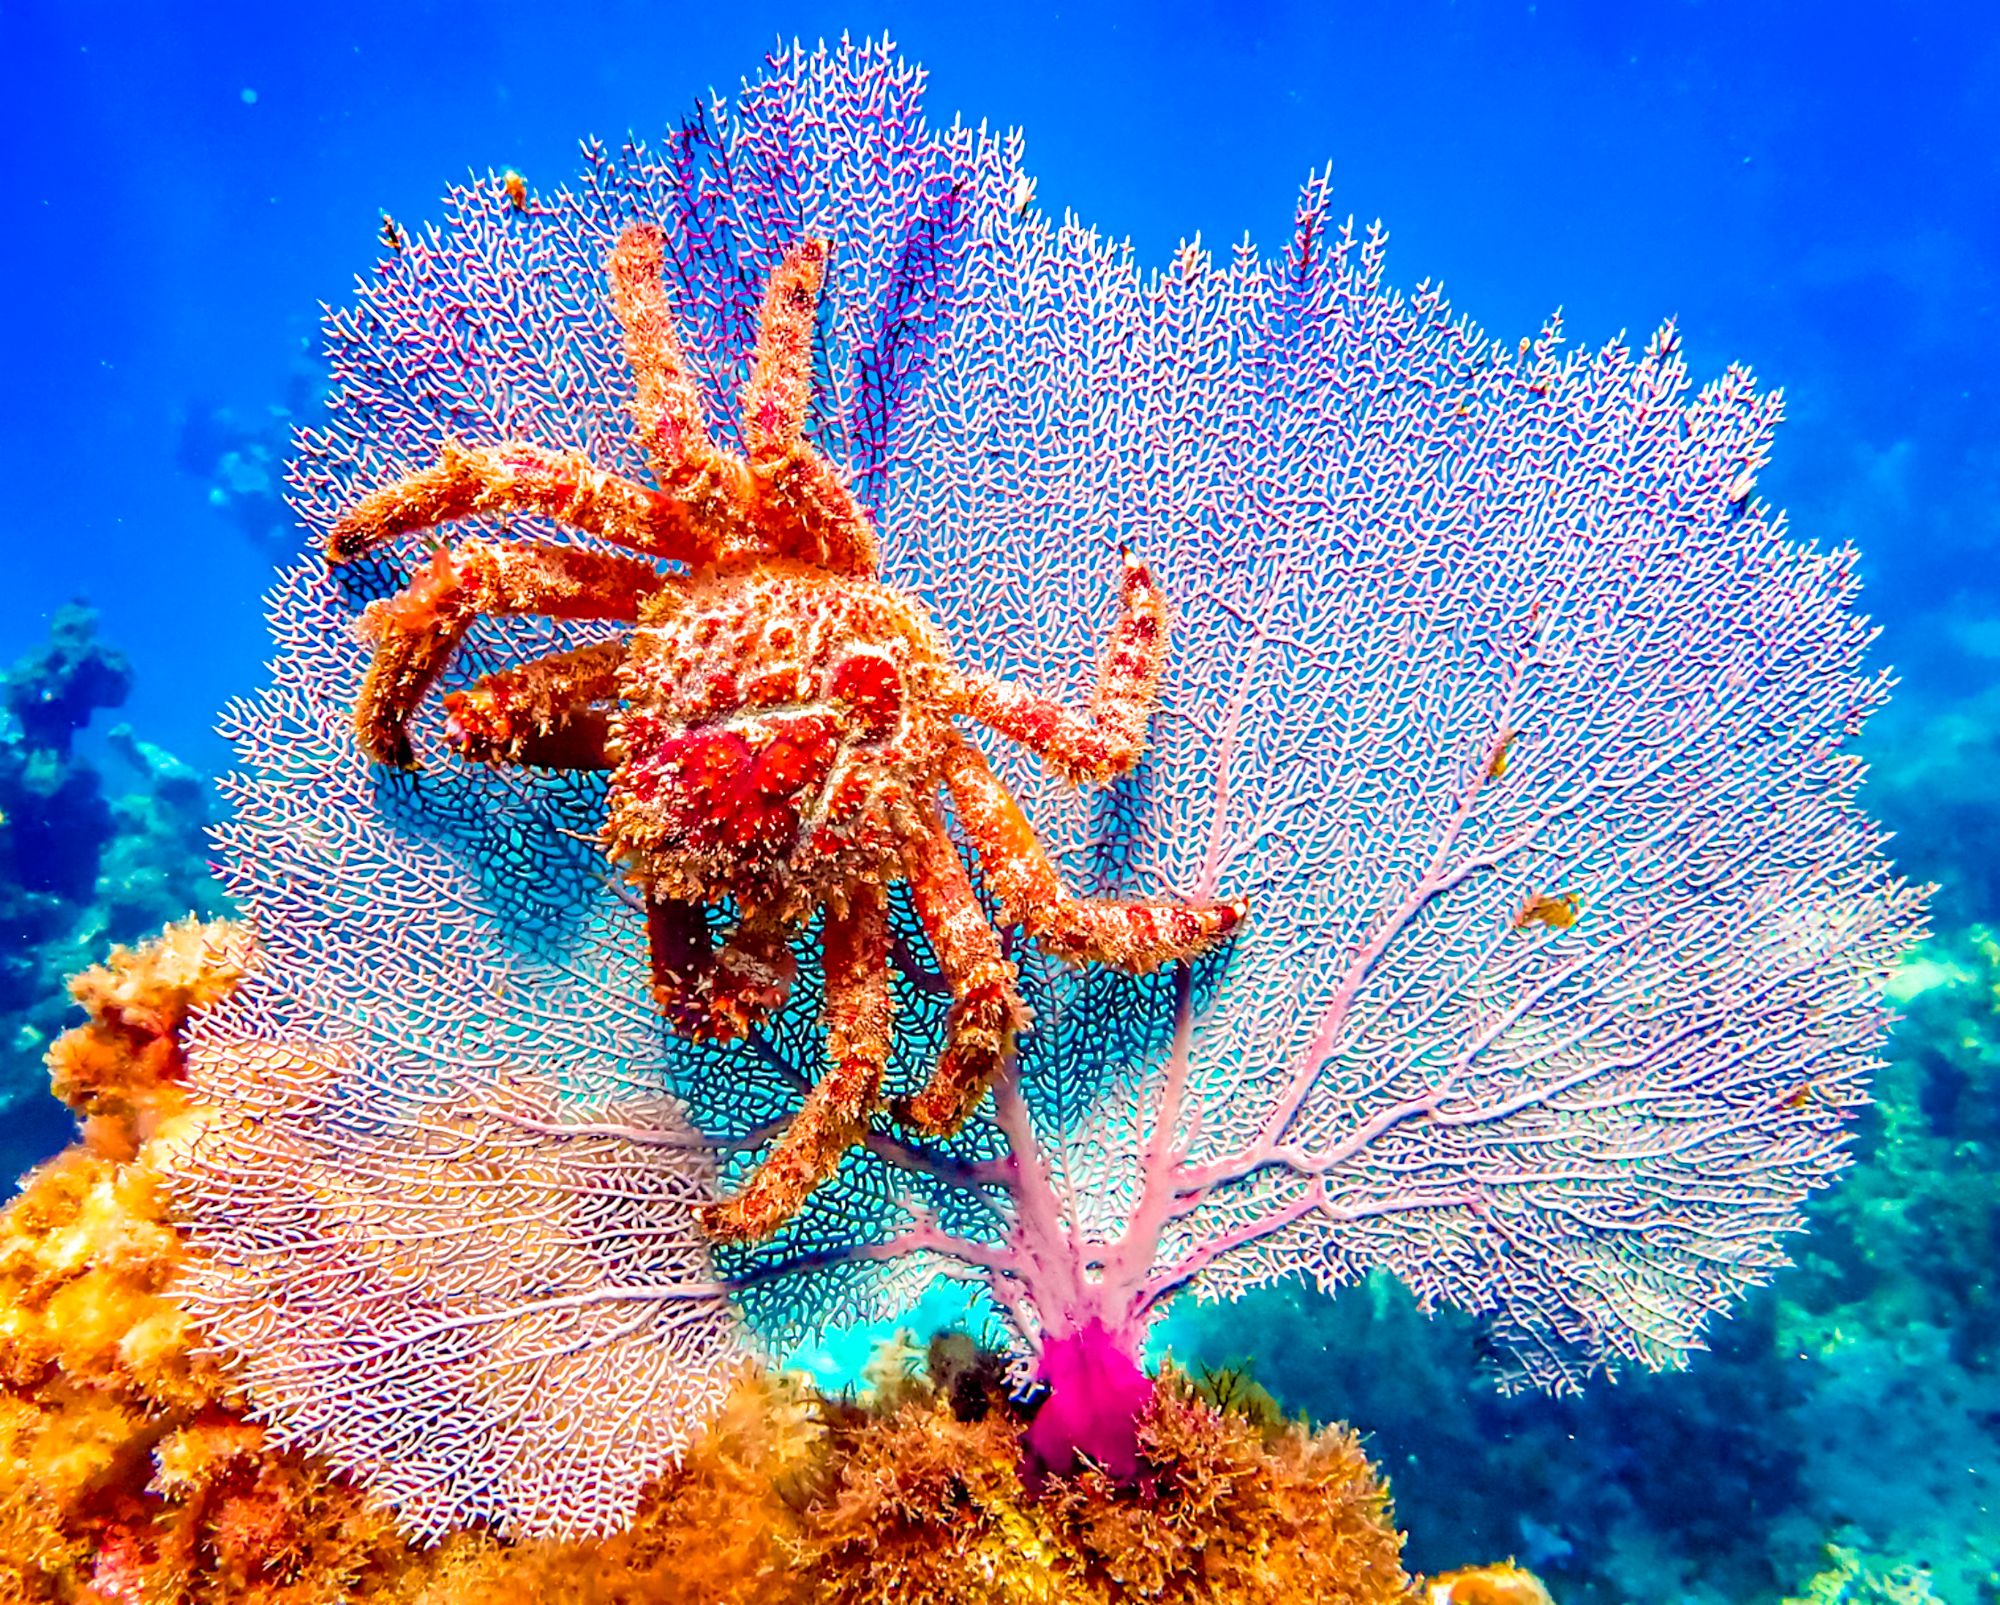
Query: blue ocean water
[[1812, 190]]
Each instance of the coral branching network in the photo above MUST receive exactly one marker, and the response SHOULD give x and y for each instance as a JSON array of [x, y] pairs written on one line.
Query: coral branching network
[[1473, 669]]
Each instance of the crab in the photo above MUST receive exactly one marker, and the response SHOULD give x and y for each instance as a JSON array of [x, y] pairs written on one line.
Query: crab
[[777, 723]]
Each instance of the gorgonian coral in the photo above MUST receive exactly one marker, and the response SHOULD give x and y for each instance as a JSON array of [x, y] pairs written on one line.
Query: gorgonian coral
[[1518, 720]]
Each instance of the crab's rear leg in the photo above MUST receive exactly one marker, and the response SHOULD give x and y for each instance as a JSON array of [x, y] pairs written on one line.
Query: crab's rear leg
[[1135, 937], [835, 1113], [986, 1013], [1108, 740], [416, 631]]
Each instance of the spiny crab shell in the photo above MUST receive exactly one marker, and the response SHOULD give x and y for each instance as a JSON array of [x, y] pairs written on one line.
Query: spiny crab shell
[[774, 727]]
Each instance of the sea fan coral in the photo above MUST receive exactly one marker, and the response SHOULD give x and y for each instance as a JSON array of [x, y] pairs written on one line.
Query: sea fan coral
[[1521, 724]]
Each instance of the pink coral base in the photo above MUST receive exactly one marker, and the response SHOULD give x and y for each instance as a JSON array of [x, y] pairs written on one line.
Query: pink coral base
[[1096, 1394]]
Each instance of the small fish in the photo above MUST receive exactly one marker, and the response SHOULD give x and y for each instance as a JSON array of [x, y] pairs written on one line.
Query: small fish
[[1496, 766], [392, 236], [1554, 913], [517, 190], [1811, 1092]]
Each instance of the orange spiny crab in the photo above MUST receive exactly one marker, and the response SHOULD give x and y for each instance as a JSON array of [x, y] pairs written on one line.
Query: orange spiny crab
[[777, 724]]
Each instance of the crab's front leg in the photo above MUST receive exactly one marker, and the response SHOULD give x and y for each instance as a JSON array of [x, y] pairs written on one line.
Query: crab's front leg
[[807, 509], [707, 483], [416, 631], [516, 479], [551, 712], [987, 1013], [835, 1113], [1131, 936], [1108, 740]]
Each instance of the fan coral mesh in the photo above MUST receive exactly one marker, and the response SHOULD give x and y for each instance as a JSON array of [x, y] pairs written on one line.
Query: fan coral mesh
[[1520, 723], [127, 1471]]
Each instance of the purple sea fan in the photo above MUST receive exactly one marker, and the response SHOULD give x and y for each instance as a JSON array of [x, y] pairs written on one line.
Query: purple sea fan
[[1519, 722]]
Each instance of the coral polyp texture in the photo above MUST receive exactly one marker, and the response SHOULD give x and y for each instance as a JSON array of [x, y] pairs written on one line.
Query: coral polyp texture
[[1517, 721]]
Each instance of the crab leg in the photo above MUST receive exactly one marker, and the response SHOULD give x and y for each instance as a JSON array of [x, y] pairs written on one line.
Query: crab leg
[[470, 481], [708, 995], [788, 473], [835, 1113], [707, 483], [779, 390], [547, 713], [416, 630], [1109, 739], [1129, 936], [987, 1012]]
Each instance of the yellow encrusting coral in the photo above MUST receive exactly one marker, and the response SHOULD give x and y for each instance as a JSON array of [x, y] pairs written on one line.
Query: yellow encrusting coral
[[126, 1477], [1503, 1584], [1850, 1578], [129, 1474], [917, 1498]]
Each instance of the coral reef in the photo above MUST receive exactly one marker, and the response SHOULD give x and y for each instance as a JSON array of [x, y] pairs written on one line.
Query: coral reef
[[1894, 1251], [124, 1474], [79, 869], [1668, 1482], [1521, 722], [128, 1472], [1850, 1578], [239, 451], [908, 1498], [52, 809]]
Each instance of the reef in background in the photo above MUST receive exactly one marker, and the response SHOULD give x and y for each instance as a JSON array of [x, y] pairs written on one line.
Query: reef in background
[[128, 1472], [238, 451], [79, 869]]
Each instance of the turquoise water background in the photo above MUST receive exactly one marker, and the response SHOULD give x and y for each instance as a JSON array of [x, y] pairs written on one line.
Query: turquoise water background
[[1814, 190]]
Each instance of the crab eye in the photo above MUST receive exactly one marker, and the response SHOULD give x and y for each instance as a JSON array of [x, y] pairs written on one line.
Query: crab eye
[[867, 685]]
